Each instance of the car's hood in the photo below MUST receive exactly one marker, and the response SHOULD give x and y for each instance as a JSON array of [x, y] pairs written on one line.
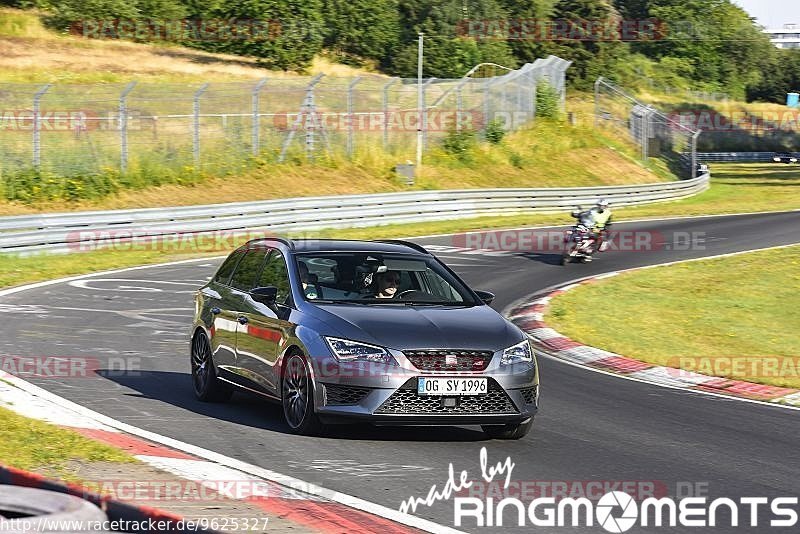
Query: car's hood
[[421, 327]]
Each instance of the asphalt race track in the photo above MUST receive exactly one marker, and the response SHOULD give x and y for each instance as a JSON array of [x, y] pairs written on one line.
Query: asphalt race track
[[590, 427]]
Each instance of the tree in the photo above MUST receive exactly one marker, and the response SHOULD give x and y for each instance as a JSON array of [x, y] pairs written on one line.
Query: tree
[[362, 28], [296, 43], [450, 51], [591, 42]]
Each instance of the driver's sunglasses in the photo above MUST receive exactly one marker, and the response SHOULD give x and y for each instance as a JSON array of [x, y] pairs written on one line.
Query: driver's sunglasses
[[393, 279]]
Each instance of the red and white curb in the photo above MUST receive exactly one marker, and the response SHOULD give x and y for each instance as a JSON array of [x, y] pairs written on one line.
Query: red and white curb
[[311, 506], [530, 317]]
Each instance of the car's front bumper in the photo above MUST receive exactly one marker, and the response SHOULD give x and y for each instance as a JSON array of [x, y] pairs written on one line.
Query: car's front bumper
[[387, 394], [339, 403]]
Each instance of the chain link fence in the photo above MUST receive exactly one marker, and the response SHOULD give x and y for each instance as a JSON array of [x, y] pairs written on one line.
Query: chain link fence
[[657, 135], [82, 130]]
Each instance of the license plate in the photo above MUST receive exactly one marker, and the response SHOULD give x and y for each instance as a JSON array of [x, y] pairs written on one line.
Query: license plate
[[452, 386]]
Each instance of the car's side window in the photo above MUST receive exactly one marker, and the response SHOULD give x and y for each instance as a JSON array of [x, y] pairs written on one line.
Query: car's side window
[[276, 274], [244, 277], [224, 273]]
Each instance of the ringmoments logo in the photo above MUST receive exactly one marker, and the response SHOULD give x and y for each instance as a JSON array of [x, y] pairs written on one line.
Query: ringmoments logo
[[615, 511]]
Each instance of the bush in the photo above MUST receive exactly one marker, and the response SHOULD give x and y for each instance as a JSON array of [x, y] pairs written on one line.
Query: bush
[[517, 160], [32, 186], [495, 131], [548, 102], [459, 143]]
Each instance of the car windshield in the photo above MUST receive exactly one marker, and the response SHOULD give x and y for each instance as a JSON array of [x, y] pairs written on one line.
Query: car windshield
[[379, 278]]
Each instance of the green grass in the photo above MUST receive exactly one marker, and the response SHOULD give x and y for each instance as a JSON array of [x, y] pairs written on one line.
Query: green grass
[[736, 188], [37, 446], [547, 154], [738, 307]]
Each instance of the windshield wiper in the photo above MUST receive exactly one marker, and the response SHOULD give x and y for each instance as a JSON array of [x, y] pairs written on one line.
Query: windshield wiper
[[432, 303], [329, 301]]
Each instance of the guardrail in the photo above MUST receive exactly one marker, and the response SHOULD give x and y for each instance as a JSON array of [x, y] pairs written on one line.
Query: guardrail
[[64, 231], [740, 157]]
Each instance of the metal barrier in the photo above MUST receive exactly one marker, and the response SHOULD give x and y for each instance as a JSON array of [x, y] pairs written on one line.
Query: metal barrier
[[740, 157], [66, 231]]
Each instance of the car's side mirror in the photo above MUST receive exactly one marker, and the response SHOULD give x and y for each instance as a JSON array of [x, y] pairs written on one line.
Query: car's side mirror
[[265, 295], [485, 296]]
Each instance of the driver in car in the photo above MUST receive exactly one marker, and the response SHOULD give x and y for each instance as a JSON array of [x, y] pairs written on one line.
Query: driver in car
[[386, 284]]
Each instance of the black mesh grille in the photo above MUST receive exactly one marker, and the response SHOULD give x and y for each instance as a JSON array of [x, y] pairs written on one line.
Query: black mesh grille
[[339, 395], [449, 360], [529, 394], [406, 401]]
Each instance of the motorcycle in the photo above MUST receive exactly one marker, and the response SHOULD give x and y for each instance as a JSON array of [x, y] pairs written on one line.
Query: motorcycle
[[580, 242]]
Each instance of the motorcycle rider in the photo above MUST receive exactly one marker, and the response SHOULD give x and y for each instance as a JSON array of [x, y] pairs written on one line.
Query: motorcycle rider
[[585, 223], [601, 222]]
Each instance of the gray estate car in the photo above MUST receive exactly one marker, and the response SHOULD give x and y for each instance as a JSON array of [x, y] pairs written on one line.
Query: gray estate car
[[375, 331]]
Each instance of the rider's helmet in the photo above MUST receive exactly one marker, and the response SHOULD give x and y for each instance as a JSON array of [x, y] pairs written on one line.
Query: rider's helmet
[[602, 204]]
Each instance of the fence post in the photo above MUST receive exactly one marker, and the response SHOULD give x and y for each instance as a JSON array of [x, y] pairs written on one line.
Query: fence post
[[123, 127], [425, 111], [386, 111], [256, 134], [459, 107], [645, 133], [308, 114], [196, 124], [350, 116], [486, 112], [37, 127], [695, 135], [597, 83]]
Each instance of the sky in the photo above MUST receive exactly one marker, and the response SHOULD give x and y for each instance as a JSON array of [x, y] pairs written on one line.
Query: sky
[[772, 13]]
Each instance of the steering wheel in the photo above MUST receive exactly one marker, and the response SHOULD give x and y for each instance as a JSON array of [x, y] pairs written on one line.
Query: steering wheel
[[406, 292]]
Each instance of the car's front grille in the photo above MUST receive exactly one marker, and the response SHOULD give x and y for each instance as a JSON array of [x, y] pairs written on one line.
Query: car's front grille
[[449, 360], [342, 395], [529, 394], [406, 401]]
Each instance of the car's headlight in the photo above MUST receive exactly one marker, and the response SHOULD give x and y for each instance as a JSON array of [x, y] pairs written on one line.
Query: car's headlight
[[519, 353], [346, 350]]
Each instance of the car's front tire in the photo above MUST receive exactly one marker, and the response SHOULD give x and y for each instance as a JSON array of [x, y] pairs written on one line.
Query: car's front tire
[[511, 431], [297, 397], [207, 387]]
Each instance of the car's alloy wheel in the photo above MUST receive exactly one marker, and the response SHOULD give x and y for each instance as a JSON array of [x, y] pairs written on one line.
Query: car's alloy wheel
[[297, 396], [207, 386]]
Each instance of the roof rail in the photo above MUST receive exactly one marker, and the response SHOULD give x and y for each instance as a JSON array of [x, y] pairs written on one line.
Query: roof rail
[[288, 242], [415, 246]]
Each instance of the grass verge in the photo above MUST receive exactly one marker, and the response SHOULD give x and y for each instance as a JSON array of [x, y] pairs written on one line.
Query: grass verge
[[548, 154], [736, 322], [37, 446]]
